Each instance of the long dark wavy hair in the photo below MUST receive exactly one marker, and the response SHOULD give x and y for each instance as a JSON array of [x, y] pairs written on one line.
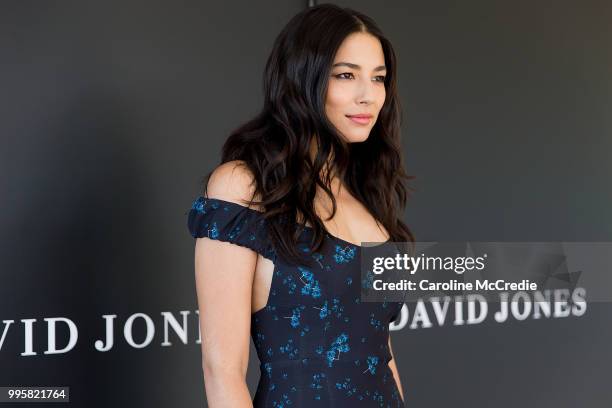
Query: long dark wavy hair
[[275, 145]]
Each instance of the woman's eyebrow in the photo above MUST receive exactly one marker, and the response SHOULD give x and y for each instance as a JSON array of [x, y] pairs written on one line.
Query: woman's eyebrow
[[355, 66]]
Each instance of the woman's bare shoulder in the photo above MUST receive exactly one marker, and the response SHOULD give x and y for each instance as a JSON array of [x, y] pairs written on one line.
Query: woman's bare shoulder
[[232, 181]]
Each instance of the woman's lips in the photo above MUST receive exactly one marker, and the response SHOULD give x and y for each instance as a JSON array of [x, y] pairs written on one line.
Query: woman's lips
[[360, 119]]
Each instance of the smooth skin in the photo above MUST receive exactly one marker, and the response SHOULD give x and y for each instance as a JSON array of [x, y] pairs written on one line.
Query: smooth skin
[[232, 282]]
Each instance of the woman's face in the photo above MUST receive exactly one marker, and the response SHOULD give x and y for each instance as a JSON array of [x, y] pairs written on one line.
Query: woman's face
[[356, 86]]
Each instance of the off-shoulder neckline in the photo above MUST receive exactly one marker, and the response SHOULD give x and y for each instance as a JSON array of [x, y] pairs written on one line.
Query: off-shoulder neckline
[[306, 227]]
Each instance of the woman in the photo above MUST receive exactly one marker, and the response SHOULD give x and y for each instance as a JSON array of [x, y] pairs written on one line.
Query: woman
[[318, 171]]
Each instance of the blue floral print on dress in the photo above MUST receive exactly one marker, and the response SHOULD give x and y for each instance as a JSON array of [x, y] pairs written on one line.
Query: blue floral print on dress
[[311, 286], [319, 345], [344, 255], [372, 362], [340, 345]]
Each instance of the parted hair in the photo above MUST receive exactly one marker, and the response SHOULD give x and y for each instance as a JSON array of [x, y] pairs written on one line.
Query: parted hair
[[275, 144]]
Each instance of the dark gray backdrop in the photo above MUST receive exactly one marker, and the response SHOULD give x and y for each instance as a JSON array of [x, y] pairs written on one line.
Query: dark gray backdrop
[[112, 113]]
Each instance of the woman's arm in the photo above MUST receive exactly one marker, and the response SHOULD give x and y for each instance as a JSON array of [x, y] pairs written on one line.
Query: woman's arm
[[224, 276], [393, 368]]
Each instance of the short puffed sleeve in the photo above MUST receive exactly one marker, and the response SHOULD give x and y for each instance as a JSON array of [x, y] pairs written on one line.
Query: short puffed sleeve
[[230, 222]]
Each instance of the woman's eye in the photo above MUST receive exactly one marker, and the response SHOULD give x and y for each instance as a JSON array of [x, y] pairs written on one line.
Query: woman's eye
[[344, 73], [349, 75]]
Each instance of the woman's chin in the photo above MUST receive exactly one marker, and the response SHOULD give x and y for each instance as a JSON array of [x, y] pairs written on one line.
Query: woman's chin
[[357, 138]]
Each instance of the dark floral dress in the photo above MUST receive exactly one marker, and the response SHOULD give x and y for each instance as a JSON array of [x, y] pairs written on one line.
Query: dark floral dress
[[317, 343]]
